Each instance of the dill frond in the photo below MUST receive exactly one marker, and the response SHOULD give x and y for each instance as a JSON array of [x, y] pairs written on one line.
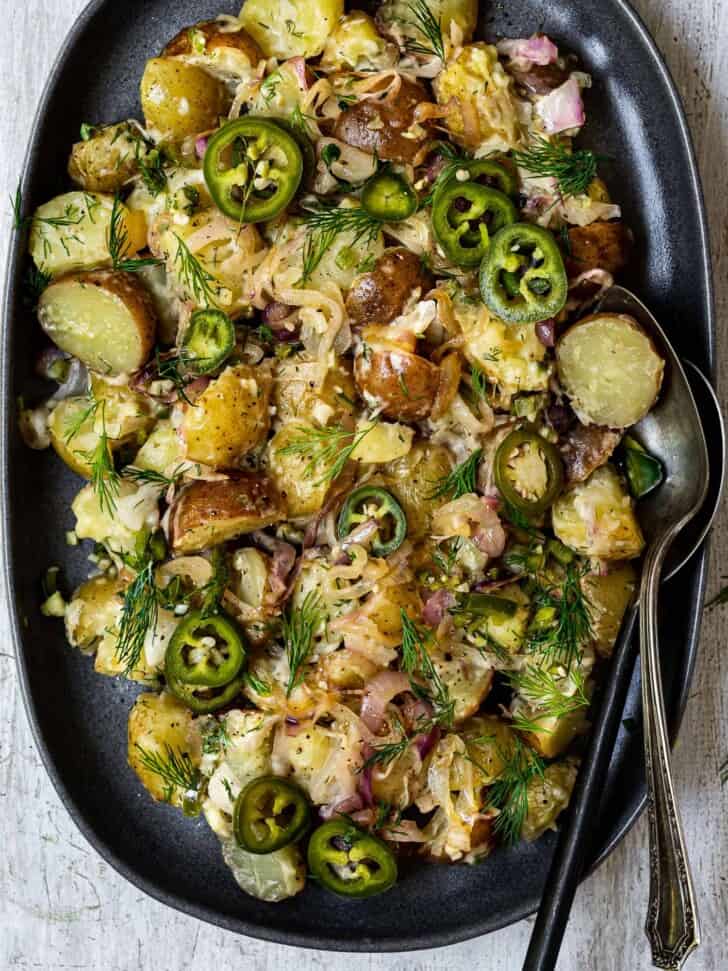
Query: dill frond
[[325, 223], [138, 615], [462, 480], [215, 737], [299, 626], [574, 171], [509, 792], [197, 281], [329, 448], [174, 767], [119, 246], [35, 281], [546, 694], [416, 660], [563, 619], [214, 589], [151, 477], [427, 25], [388, 751], [104, 477]]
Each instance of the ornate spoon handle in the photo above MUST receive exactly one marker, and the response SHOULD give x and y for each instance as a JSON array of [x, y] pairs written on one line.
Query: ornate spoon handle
[[672, 919]]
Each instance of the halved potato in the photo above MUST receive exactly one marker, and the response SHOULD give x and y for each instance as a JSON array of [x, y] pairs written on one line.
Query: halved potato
[[93, 613], [291, 28], [304, 494], [163, 451], [159, 725], [466, 674], [356, 45], [411, 480], [229, 418], [226, 54], [385, 128], [180, 99], [71, 232], [402, 384], [381, 294], [610, 369], [609, 596], [207, 513], [548, 795], [108, 160], [596, 518], [387, 441], [105, 318]]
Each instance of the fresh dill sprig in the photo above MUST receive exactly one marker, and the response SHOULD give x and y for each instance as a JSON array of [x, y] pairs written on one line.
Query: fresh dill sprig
[[213, 590], [119, 245], [152, 477], [478, 382], [429, 27], [563, 619], [416, 660], [16, 203], [197, 281], [509, 792], [462, 480], [256, 684], [326, 448], [446, 564], [546, 695], [138, 615], [104, 477], [215, 737], [150, 161], [325, 223], [574, 171], [174, 767], [383, 754], [173, 369], [299, 626]]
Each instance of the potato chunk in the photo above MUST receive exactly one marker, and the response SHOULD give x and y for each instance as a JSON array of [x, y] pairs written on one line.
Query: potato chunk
[[610, 370], [208, 513], [107, 160], [291, 28], [105, 318], [609, 595], [304, 494], [356, 45], [71, 232], [180, 99], [596, 518], [383, 127], [410, 480], [403, 384], [380, 295], [159, 725], [226, 54], [229, 418]]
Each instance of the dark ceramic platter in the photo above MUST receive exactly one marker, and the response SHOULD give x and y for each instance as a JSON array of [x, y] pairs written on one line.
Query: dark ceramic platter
[[79, 718]]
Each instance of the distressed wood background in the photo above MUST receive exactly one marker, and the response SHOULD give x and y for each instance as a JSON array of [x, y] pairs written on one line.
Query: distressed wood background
[[62, 907]]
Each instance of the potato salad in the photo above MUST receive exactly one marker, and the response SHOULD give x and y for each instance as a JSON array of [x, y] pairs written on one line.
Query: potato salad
[[357, 480]]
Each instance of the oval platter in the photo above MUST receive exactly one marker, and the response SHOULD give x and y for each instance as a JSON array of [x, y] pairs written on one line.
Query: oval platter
[[79, 718]]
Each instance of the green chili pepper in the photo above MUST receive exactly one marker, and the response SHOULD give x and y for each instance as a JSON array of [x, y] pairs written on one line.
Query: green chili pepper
[[203, 700], [208, 340], [644, 471], [370, 502], [486, 604], [253, 169], [269, 814], [466, 215], [206, 651], [350, 862], [484, 171], [389, 197], [528, 472], [562, 554], [522, 276]]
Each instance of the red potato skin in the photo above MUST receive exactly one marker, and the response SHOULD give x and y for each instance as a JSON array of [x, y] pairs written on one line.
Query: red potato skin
[[599, 246], [354, 126], [584, 448], [215, 39], [379, 296], [404, 383]]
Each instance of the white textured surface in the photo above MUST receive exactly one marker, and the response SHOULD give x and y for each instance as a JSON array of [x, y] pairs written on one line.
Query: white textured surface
[[62, 907]]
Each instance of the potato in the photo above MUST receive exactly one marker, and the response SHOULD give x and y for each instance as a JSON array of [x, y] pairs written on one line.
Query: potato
[[596, 518], [380, 126], [485, 112], [395, 18], [610, 369], [298, 392], [466, 674], [547, 797], [380, 295], [403, 384], [226, 54], [225, 252], [343, 259], [180, 99], [135, 516], [598, 246], [291, 28], [584, 448], [125, 416], [490, 742], [230, 417], [107, 160], [207, 513], [304, 494], [357, 45], [71, 232], [94, 611], [105, 318], [160, 725], [609, 596], [279, 93], [385, 442], [267, 876], [411, 480], [162, 452]]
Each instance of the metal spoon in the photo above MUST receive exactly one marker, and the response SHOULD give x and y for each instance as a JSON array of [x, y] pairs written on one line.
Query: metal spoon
[[674, 433]]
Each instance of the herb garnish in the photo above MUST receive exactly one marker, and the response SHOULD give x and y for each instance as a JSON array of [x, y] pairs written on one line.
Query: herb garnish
[[574, 171], [104, 477], [193, 275], [138, 615], [429, 27], [545, 693], [325, 223], [299, 626], [563, 620], [152, 477], [416, 660], [175, 768], [329, 448], [383, 754], [35, 281], [509, 792], [459, 482], [119, 245]]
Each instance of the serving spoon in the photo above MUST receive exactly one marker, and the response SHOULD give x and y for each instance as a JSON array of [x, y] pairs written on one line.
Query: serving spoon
[[673, 432]]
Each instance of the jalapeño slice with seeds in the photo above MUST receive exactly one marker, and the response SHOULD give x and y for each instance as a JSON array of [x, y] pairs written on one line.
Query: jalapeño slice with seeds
[[389, 197], [528, 471], [269, 814], [205, 651], [371, 502], [522, 276], [208, 340], [253, 169], [465, 216], [349, 862]]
